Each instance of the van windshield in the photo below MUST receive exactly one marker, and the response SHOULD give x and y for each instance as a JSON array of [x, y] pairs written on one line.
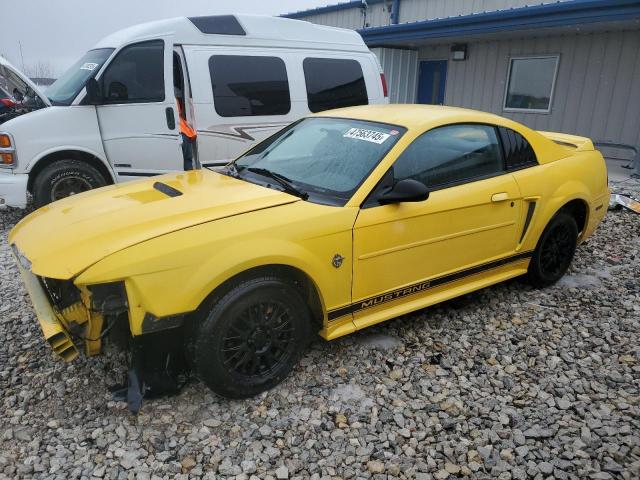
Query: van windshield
[[64, 90]]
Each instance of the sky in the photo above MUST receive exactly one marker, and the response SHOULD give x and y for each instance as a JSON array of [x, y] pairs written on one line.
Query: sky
[[58, 32]]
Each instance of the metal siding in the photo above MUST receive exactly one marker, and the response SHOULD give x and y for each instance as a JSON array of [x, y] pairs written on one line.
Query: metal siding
[[596, 92], [413, 10], [400, 69]]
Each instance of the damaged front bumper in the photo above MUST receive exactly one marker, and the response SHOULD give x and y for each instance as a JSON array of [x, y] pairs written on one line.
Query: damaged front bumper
[[52, 327], [65, 325]]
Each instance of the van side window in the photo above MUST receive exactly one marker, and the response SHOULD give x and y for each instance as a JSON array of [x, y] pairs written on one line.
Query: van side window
[[136, 75], [517, 151], [333, 83], [245, 86]]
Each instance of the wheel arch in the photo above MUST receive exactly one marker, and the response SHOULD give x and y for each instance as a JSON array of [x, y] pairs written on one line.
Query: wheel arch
[[75, 154], [293, 275], [578, 208]]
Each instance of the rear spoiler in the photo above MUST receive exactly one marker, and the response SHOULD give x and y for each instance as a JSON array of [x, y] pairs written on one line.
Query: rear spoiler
[[574, 142]]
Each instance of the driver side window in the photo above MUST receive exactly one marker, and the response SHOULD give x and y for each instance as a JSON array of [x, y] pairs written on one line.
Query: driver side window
[[451, 155], [136, 75]]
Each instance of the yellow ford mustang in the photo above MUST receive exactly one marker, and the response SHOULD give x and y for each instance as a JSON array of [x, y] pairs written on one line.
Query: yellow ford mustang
[[340, 221]]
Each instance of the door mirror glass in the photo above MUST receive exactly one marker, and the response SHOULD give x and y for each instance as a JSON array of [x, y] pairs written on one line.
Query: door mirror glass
[[407, 190], [93, 92]]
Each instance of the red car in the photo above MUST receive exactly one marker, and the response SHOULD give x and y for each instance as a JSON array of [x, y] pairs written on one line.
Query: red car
[[7, 102]]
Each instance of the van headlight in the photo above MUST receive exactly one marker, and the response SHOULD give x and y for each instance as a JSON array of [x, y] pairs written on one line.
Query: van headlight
[[7, 151]]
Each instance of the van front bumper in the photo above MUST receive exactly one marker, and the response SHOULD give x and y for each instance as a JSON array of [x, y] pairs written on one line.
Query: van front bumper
[[13, 189]]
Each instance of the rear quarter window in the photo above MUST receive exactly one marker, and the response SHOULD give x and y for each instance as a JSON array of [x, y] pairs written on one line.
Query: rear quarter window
[[518, 152], [334, 83]]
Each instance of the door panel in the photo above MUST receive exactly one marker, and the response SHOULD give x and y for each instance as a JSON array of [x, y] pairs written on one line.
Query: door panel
[[135, 127], [455, 228], [432, 81]]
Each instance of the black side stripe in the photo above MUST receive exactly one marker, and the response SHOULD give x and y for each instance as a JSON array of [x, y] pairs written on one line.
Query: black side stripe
[[422, 286], [527, 220]]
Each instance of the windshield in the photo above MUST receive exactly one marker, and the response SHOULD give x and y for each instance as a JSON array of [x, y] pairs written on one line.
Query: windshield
[[64, 90], [327, 158]]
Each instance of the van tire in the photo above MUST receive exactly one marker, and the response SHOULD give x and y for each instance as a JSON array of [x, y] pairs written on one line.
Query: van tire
[[554, 252], [251, 338], [65, 178]]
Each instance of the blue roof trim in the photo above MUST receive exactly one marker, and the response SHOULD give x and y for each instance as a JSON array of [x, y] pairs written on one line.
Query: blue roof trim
[[329, 8], [550, 15]]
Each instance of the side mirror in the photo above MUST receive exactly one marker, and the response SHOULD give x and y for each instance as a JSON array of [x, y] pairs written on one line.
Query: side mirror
[[94, 96], [407, 190]]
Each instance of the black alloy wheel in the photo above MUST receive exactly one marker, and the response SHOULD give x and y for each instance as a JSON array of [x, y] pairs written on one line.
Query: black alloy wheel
[[251, 338], [554, 251], [258, 340]]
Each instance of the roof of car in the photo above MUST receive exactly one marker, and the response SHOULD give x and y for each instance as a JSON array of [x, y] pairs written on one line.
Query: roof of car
[[415, 116], [248, 30]]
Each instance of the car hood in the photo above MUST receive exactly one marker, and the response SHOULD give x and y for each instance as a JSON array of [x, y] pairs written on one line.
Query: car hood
[[11, 73], [66, 237]]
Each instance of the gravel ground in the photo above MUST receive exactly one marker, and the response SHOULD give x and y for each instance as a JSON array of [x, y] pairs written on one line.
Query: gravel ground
[[508, 382]]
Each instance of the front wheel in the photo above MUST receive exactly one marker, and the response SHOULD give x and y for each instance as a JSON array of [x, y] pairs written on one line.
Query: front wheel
[[251, 338], [554, 251], [65, 178]]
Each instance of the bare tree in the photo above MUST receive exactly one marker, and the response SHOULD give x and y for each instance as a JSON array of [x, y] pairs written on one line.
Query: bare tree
[[39, 69]]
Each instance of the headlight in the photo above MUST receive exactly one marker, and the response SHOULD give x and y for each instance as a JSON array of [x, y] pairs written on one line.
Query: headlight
[[24, 261], [109, 298], [7, 150]]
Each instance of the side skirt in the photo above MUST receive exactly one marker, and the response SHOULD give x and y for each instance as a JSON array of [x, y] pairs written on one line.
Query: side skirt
[[414, 297]]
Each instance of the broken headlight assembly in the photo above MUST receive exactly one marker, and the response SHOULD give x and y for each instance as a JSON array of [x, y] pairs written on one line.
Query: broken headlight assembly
[[109, 298]]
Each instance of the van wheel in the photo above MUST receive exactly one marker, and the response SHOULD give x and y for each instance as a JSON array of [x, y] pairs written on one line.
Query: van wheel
[[554, 251], [65, 178], [252, 338]]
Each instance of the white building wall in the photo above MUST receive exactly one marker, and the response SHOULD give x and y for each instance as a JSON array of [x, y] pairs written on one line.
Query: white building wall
[[401, 72], [379, 14], [413, 10], [597, 92]]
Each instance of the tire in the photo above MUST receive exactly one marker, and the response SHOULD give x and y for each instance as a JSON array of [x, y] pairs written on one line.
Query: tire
[[239, 355], [554, 251], [64, 178]]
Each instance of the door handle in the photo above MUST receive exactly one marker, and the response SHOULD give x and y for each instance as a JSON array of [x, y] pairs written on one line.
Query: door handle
[[171, 119], [500, 197]]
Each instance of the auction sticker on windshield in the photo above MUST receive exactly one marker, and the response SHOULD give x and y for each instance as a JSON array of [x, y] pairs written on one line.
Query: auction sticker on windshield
[[367, 135], [89, 66]]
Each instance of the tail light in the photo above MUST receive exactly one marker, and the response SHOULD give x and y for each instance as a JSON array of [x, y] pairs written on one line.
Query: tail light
[[7, 102], [385, 90]]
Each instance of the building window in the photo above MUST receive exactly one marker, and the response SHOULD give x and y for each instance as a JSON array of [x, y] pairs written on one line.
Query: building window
[[530, 83], [245, 86], [334, 83]]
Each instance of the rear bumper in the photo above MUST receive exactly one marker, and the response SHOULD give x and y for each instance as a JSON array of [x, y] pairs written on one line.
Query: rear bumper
[[13, 189], [598, 209]]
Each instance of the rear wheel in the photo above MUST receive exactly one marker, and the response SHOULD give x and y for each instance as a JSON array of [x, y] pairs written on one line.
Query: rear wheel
[[251, 338], [65, 178], [554, 251]]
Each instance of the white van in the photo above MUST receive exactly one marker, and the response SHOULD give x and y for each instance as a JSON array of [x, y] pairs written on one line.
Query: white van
[[242, 78]]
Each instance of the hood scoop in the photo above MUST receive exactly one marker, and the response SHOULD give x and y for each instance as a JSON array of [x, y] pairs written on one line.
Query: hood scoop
[[168, 190]]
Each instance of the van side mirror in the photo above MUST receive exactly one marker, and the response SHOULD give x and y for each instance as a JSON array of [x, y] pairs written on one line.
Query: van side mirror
[[407, 190], [94, 96]]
